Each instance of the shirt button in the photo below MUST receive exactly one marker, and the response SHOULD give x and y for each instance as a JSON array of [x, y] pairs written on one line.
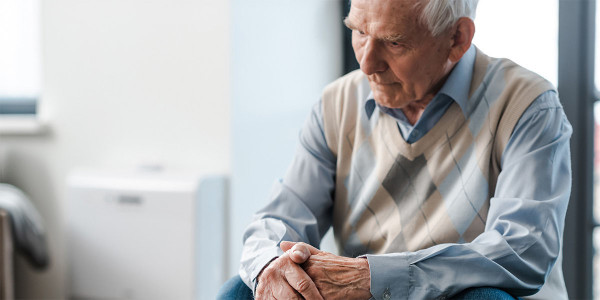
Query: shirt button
[[387, 295]]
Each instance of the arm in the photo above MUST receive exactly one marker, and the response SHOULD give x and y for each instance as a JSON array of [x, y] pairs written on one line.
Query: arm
[[523, 233], [300, 209]]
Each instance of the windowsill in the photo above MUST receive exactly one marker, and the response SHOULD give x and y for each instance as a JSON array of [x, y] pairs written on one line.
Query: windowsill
[[22, 125]]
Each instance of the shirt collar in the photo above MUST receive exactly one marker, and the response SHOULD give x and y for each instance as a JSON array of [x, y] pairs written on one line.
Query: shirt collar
[[456, 86], [459, 82]]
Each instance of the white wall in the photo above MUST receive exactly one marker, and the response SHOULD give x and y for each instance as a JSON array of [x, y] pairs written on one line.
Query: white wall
[[124, 81], [127, 81]]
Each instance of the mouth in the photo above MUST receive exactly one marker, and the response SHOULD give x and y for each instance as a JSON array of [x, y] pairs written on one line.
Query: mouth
[[381, 82]]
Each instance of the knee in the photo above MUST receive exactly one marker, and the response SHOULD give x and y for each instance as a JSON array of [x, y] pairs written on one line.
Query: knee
[[483, 293], [234, 288]]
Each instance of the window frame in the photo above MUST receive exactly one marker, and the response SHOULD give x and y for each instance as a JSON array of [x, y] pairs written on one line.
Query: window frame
[[576, 86], [18, 106]]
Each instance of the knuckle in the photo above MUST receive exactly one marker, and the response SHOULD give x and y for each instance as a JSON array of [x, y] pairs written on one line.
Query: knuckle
[[302, 285], [302, 244], [288, 262]]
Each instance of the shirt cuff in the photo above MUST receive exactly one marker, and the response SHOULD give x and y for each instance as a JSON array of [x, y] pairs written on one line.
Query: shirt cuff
[[260, 262], [389, 276]]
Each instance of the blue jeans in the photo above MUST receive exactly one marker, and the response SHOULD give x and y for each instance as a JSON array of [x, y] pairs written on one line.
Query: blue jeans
[[236, 289]]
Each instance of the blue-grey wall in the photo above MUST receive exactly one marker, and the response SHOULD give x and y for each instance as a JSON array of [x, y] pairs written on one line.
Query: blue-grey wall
[[283, 54]]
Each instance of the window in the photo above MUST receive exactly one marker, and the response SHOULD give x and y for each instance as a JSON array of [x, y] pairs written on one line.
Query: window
[[531, 40], [20, 76]]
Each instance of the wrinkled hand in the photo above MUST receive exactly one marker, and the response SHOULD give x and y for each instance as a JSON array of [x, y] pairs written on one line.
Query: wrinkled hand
[[337, 277], [283, 278]]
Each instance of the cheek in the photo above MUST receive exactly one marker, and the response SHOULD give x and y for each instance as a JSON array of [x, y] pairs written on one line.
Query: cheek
[[405, 69]]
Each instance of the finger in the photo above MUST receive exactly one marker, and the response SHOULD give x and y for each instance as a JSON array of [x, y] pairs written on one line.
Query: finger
[[310, 248], [285, 245], [301, 282], [284, 291], [299, 253]]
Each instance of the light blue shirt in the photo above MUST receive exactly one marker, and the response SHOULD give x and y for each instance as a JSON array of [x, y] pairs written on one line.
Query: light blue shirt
[[536, 176]]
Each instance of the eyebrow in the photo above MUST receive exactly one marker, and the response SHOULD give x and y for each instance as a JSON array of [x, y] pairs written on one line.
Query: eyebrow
[[398, 38], [349, 24]]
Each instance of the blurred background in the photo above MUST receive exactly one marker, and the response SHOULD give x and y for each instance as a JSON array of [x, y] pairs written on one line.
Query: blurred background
[[155, 128]]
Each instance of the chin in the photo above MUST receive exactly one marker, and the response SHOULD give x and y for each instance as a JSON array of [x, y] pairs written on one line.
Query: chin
[[392, 98], [389, 102]]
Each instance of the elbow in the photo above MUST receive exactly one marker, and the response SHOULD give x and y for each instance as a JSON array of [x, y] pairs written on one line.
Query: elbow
[[528, 280], [537, 264], [531, 280]]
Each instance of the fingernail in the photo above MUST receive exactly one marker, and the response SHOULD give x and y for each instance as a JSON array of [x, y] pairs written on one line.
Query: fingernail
[[300, 253]]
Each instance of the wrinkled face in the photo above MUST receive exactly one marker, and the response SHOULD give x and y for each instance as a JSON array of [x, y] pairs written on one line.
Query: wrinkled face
[[404, 63]]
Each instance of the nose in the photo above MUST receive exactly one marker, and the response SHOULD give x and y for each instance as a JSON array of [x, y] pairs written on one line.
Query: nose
[[372, 60]]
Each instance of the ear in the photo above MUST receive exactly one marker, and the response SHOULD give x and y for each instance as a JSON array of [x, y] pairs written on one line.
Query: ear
[[463, 32]]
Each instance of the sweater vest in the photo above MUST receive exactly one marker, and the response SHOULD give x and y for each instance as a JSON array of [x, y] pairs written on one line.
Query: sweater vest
[[391, 196]]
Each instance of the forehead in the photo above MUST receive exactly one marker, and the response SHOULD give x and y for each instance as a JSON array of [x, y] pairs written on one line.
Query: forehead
[[385, 16]]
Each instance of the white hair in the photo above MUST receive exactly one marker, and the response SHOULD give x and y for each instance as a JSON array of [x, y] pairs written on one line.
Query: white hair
[[439, 15]]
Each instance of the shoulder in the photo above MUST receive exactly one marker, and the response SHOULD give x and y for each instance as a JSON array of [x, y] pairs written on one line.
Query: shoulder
[[354, 78], [341, 101], [508, 88], [344, 95], [505, 75], [546, 108], [352, 86]]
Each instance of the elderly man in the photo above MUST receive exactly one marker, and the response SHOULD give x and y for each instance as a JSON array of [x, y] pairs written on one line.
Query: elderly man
[[444, 173]]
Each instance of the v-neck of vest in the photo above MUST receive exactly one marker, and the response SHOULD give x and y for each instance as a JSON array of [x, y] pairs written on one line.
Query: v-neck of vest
[[436, 133]]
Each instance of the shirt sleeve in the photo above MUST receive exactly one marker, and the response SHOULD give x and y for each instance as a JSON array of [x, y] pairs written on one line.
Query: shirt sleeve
[[523, 233], [301, 203]]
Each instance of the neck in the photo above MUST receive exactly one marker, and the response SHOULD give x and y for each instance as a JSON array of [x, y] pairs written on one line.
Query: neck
[[414, 111]]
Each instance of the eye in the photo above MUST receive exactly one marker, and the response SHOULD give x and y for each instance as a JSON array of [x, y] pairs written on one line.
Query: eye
[[360, 32], [392, 44]]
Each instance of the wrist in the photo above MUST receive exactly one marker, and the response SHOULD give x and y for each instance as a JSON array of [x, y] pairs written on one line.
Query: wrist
[[364, 284], [257, 278]]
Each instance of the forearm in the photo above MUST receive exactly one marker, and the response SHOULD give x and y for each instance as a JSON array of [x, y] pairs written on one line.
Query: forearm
[[445, 270]]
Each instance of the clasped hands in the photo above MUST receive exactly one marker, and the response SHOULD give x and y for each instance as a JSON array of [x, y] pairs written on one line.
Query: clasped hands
[[304, 271]]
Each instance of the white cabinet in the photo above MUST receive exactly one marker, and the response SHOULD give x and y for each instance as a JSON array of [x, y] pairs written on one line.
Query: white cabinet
[[146, 235]]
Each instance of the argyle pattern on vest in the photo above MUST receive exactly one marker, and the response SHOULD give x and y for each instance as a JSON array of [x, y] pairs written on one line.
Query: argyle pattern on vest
[[392, 196]]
